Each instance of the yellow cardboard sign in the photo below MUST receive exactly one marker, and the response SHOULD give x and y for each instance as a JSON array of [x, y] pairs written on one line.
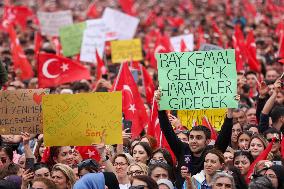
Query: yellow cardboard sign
[[215, 117], [126, 50], [82, 119]]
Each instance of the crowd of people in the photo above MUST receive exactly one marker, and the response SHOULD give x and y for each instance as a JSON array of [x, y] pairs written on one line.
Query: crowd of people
[[248, 152]]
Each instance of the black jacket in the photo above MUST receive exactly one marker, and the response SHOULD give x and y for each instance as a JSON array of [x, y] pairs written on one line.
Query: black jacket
[[182, 151]]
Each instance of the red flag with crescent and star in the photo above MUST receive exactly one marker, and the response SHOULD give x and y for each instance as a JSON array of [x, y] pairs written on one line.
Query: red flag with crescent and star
[[133, 106], [55, 70]]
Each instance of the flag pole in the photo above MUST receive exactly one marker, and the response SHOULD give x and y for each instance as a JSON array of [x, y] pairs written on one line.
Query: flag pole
[[118, 76]]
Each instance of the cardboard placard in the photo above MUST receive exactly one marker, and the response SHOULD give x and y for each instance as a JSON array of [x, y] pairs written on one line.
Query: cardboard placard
[[71, 38], [122, 24], [126, 50], [20, 111], [50, 22], [197, 80], [215, 117], [188, 39], [82, 119]]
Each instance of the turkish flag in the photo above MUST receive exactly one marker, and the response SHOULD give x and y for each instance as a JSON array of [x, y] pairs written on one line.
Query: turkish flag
[[239, 45], [17, 15], [88, 152], [101, 69], [127, 7], [154, 129], [37, 42], [148, 84], [56, 43], [282, 145], [18, 56], [55, 70], [206, 123], [200, 38], [183, 47], [92, 11], [281, 45], [251, 53], [217, 32], [250, 8], [133, 106]]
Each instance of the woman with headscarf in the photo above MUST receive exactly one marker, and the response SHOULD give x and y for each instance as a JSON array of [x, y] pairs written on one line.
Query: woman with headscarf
[[105, 180]]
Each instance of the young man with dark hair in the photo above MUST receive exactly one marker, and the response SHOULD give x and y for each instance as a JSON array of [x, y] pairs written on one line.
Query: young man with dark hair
[[192, 155]]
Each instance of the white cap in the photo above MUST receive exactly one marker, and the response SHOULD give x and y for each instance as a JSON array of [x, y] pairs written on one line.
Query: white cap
[[166, 182]]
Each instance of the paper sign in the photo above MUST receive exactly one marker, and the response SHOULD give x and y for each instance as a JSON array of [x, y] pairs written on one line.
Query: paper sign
[[20, 111], [99, 24], [209, 47], [92, 40], [124, 25], [215, 117], [197, 80], [82, 119], [126, 50], [176, 41], [50, 22], [71, 38]]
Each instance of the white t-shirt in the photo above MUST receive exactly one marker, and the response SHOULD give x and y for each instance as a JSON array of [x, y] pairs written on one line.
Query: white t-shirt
[[124, 186]]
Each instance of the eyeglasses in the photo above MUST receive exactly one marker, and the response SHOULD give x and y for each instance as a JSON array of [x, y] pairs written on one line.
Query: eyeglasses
[[156, 161], [89, 163], [134, 173], [186, 132], [270, 140], [137, 187], [119, 164]]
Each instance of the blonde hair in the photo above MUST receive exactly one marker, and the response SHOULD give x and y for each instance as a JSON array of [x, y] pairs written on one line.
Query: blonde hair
[[67, 171], [142, 166]]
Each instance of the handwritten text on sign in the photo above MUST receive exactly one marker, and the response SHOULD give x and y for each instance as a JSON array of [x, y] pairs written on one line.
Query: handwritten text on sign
[[20, 111], [82, 119], [126, 50], [197, 80], [215, 117]]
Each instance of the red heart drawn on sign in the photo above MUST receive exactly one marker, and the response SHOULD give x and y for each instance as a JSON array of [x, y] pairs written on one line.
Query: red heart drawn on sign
[[37, 98]]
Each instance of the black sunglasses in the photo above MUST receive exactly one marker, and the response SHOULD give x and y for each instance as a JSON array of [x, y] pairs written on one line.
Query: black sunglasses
[[89, 163], [270, 140], [137, 187], [182, 131]]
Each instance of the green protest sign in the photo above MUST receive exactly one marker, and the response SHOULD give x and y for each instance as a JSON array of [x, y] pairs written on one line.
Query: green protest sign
[[71, 38], [197, 80]]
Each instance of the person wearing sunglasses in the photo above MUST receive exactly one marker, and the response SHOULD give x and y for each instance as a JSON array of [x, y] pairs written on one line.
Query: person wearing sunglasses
[[182, 135], [137, 168], [269, 134], [143, 182], [88, 166], [163, 155]]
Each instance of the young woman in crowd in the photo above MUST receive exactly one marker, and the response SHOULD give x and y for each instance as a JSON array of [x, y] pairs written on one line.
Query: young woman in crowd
[[41, 170], [236, 130], [242, 160], [214, 160], [62, 155], [244, 140], [142, 152], [63, 176], [162, 154], [257, 145], [6, 155]]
